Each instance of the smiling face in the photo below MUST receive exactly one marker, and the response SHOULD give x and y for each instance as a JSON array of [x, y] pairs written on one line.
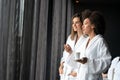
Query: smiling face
[[76, 24], [87, 27]]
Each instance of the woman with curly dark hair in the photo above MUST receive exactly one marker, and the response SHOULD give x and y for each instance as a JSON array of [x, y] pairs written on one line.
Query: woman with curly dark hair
[[95, 57]]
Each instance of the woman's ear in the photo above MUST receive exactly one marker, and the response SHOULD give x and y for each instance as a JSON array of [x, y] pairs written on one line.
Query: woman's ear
[[93, 26]]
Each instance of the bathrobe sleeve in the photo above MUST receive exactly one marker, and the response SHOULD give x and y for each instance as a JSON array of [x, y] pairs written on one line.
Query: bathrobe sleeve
[[111, 70], [65, 54], [101, 61], [117, 72]]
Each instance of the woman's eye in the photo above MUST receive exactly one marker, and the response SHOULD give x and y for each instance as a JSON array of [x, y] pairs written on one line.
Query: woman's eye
[[77, 22]]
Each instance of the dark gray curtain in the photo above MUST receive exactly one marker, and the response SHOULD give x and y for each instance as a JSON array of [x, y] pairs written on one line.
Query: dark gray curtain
[[9, 62], [32, 34]]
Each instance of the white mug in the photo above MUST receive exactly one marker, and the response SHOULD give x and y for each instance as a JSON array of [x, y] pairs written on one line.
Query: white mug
[[77, 55]]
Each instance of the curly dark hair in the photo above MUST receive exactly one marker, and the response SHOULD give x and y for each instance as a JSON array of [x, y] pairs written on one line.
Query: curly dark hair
[[95, 18]]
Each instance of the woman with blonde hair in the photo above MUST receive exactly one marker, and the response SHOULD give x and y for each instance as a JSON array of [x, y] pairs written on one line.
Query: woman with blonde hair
[[68, 66]]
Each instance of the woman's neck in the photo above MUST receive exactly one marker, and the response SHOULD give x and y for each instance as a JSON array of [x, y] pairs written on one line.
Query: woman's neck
[[92, 35], [79, 34]]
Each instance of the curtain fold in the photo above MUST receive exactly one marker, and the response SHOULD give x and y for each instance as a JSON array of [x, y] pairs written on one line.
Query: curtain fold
[[8, 34], [26, 47], [42, 41], [34, 39]]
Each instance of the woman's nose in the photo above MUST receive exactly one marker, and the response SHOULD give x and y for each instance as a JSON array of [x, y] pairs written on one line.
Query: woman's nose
[[82, 26]]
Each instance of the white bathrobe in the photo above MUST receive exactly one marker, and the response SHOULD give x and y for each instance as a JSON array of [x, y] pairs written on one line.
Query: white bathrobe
[[99, 59], [69, 59], [114, 70]]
